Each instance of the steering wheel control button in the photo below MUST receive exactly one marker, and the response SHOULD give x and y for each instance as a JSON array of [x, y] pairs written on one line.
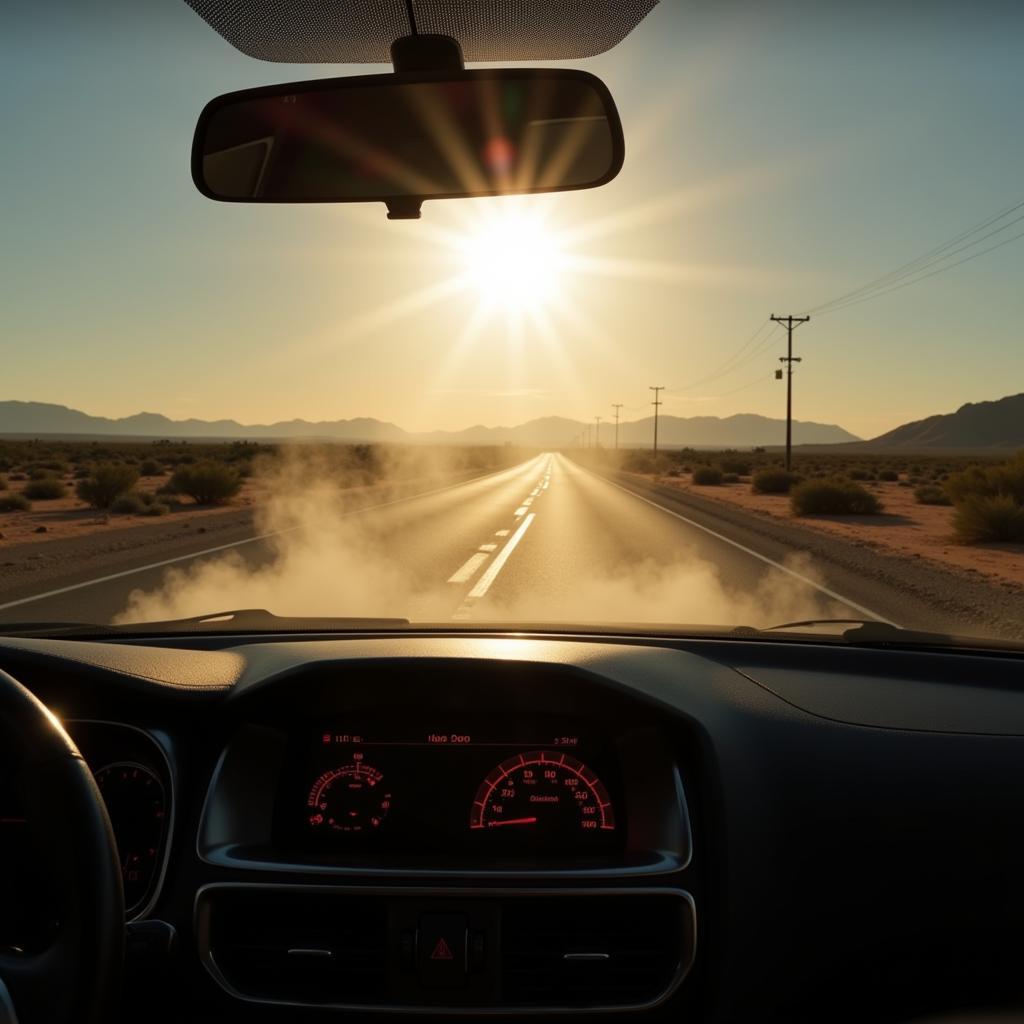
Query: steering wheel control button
[[441, 950]]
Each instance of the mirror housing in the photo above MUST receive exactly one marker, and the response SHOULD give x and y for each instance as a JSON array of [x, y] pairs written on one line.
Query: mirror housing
[[404, 138]]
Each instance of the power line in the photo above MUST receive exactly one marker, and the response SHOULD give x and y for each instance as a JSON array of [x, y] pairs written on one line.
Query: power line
[[939, 270], [880, 285]]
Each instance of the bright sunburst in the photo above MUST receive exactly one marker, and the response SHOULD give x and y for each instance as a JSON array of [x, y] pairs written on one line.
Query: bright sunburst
[[513, 260]]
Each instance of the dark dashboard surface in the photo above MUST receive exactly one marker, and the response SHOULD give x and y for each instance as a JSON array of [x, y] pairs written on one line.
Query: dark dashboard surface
[[721, 830]]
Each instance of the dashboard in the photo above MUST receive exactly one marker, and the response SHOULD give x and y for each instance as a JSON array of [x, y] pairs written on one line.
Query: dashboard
[[717, 830]]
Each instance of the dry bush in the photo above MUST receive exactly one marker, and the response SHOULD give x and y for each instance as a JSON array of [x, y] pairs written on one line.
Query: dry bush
[[833, 498], [774, 481], [107, 482], [48, 488], [207, 483], [982, 518]]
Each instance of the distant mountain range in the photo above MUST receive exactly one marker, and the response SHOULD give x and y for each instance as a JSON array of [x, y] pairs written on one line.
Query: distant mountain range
[[744, 430], [998, 424]]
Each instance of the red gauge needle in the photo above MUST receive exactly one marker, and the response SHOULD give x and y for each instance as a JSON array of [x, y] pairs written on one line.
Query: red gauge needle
[[513, 821]]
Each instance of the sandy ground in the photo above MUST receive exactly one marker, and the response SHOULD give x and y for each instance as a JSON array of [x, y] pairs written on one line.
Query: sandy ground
[[71, 517], [904, 528]]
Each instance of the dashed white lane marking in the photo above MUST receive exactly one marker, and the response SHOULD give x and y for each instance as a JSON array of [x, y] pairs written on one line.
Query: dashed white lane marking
[[484, 583], [488, 547], [521, 511], [468, 568], [527, 501], [502, 533], [535, 492]]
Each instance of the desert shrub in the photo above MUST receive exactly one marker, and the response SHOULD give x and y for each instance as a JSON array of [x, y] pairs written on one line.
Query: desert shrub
[[128, 504], [3, 483], [889, 475], [930, 494], [48, 488], [707, 475], [774, 481], [14, 502], [155, 508], [1005, 479], [859, 473], [150, 467], [207, 483], [988, 517], [107, 482], [19, 476], [833, 497], [674, 471], [730, 478], [737, 466], [81, 472]]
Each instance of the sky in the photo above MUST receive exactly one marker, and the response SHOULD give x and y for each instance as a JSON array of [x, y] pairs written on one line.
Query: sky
[[775, 159]]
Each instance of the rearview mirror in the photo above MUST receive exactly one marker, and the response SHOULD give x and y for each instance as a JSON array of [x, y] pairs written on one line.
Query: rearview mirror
[[404, 138]]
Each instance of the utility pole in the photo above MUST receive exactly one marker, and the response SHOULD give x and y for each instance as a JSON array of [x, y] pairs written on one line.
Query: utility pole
[[657, 401], [588, 436], [597, 432], [616, 406], [789, 359]]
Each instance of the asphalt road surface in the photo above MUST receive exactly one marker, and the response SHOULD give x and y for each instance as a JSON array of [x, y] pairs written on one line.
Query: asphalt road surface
[[547, 540]]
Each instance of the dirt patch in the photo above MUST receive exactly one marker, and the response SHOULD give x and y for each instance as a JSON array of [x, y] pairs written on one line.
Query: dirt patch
[[905, 528]]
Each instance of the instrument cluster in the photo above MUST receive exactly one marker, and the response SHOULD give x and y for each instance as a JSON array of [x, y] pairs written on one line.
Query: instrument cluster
[[501, 787]]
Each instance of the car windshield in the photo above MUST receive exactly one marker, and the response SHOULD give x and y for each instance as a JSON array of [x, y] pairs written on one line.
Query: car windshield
[[769, 374]]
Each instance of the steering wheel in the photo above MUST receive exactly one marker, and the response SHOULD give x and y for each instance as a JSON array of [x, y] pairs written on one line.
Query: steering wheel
[[77, 976]]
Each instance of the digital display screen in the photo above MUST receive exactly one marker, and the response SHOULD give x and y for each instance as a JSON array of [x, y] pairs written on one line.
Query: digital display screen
[[500, 789]]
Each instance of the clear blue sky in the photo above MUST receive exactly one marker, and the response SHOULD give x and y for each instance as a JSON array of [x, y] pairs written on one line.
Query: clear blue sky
[[775, 159]]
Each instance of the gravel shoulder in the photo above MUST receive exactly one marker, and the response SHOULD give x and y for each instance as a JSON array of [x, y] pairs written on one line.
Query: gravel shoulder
[[913, 592]]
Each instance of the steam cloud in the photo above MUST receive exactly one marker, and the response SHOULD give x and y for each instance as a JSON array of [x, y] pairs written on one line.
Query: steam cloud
[[322, 560]]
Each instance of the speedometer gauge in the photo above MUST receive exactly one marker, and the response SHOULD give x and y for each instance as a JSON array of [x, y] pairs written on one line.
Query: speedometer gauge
[[544, 792]]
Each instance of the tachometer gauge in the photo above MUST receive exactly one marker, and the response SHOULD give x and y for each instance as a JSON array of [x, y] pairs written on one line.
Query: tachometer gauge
[[352, 798], [545, 792], [134, 798]]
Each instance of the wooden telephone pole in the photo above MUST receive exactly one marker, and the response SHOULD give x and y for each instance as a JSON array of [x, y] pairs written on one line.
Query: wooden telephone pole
[[789, 359]]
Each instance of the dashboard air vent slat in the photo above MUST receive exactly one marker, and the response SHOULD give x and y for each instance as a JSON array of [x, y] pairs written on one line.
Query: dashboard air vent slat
[[579, 952]]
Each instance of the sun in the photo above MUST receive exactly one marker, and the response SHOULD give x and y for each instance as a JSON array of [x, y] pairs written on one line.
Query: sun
[[514, 260]]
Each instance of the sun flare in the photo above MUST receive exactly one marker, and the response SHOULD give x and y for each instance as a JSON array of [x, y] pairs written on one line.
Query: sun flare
[[514, 261]]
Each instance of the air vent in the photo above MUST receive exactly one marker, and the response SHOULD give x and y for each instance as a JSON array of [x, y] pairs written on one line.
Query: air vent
[[300, 947], [592, 952]]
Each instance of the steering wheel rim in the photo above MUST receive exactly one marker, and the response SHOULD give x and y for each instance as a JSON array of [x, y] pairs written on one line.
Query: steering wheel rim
[[77, 977]]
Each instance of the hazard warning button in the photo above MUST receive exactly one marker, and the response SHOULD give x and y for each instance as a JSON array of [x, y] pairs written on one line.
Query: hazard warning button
[[441, 950]]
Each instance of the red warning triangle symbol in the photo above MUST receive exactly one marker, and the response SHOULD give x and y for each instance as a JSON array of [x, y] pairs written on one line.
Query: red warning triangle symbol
[[442, 951]]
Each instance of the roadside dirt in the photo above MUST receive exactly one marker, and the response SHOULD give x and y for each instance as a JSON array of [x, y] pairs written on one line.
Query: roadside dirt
[[70, 517], [905, 528]]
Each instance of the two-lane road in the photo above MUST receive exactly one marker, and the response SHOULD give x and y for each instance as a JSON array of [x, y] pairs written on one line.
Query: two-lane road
[[546, 540]]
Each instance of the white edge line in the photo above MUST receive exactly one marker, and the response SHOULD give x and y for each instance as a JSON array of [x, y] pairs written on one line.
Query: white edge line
[[754, 554], [234, 544], [484, 583], [468, 568]]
